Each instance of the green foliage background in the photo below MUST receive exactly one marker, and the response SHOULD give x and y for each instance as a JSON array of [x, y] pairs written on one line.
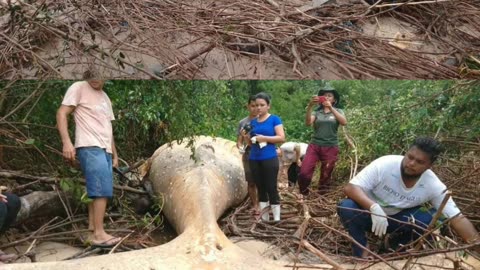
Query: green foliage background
[[383, 116]]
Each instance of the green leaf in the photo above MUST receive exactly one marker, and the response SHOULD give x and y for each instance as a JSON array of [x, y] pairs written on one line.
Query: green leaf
[[66, 185], [29, 141], [85, 199]]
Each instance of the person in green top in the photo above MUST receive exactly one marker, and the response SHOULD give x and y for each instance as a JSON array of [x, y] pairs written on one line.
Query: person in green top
[[324, 144]]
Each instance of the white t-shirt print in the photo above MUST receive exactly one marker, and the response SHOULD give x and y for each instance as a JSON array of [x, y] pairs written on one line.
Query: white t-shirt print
[[382, 182]]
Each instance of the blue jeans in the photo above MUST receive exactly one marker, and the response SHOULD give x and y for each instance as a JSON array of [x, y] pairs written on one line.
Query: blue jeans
[[96, 166], [358, 223]]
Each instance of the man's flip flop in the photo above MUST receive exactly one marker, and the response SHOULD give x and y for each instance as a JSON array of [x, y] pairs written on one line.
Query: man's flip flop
[[107, 244]]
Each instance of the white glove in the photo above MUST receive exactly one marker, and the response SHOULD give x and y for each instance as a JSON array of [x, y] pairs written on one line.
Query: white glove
[[241, 150], [379, 220], [260, 144]]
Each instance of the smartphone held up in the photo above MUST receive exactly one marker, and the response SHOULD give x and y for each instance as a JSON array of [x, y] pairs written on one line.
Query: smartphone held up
[[321, 99]]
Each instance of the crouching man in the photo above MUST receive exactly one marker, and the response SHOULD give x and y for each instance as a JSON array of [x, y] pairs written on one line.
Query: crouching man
[[394, 188], [291, 154]]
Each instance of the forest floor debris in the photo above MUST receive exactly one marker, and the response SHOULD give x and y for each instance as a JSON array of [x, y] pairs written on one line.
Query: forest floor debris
[[240, 40], [297, 239]]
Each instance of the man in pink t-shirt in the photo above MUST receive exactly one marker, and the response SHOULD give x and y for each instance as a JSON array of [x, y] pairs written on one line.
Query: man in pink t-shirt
[[94, 147]]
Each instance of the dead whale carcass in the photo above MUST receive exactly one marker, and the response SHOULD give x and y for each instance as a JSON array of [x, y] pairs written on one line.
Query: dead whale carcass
[[199, 187], [197, 191]]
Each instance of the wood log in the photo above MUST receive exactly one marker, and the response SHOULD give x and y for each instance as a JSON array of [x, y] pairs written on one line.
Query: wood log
[[40, 203]]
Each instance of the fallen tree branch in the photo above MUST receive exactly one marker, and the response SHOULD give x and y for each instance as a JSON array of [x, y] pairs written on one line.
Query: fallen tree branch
[[321, 255], [412, 3], [273, 3]]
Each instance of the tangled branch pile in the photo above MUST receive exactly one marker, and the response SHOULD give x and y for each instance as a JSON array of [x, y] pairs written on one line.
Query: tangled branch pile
[[240, 39], [312, 224]]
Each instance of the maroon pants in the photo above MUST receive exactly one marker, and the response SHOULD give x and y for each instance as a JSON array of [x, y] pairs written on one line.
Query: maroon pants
[[328, 156]]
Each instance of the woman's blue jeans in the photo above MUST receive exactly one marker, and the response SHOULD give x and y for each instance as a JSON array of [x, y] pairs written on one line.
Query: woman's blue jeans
[[358, 223]]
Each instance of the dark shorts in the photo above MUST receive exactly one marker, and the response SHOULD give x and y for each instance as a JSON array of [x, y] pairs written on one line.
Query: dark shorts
[[246, 165], [9, 211], [293, 172], [96, 166]]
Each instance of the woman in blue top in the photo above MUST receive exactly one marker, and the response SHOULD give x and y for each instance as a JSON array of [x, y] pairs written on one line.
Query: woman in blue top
[[267, 130]]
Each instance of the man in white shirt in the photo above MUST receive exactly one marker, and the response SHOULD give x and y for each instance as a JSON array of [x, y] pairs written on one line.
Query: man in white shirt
[[291, 154], [94, 147], [394, 188]]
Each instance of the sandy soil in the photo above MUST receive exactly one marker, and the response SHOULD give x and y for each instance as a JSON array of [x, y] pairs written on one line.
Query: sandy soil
[[51, 251]]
